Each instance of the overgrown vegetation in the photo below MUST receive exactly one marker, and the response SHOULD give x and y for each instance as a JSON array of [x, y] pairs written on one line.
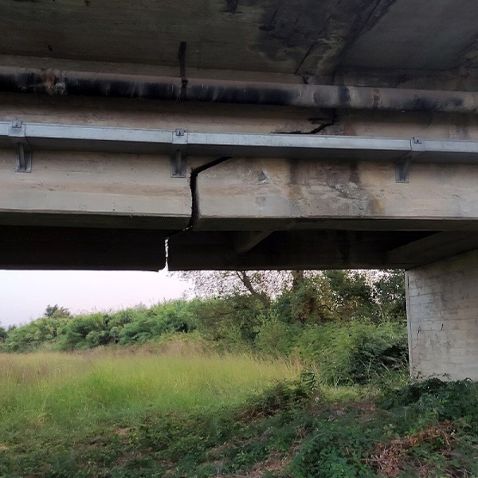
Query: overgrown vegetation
[[130, 413], [296, 377], [361, 320]]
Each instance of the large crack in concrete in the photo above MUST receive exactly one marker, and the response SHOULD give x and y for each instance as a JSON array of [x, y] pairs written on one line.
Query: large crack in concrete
[[194, 218], [194, 192]]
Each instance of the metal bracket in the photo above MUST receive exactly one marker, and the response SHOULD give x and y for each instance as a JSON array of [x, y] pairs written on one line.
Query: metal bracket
[[24, 158], [17, 135], [402, 168], [178, 158]]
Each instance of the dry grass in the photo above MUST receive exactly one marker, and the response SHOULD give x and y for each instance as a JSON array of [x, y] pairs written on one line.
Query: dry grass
[[391, 458]]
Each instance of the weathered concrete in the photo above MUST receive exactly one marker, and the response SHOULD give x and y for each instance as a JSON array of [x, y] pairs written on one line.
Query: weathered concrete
[[299, 213], [442, 308], [107, 210], [249, 191], [302, 37], [73, 183]]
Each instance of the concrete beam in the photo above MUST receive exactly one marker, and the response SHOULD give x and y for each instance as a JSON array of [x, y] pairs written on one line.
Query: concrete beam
[[272, 193], [26, 247], [300, 250], [434, 247], [73, 184], [327, 210], [245, 241]]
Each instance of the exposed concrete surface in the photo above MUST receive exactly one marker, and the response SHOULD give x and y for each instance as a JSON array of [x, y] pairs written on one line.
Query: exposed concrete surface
[[255, 212], [287, 249], [250, 190], [135, 113], [38, 247], [302, 213], [92, 183], [442, 308], [308, 38], [425, 34], [161, 115]]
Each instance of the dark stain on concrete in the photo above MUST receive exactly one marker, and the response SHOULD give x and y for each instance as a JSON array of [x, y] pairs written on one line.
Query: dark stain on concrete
[[262, 177], [354, 176], [231, 6], [344, 95], [375, 15], [420, 103], [294, 170], [313, 31]]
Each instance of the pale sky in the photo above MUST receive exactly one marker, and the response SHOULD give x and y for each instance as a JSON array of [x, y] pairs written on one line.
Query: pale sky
[[25, 294]]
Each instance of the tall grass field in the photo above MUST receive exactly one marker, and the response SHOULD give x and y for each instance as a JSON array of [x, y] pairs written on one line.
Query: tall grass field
[[182, 411], [68, 392], [50, 401]]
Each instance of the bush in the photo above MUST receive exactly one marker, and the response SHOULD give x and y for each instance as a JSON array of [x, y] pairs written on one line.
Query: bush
[[275, 337], [84, 332], [175, 316], [31, 336], [232, 321], [355, 352]]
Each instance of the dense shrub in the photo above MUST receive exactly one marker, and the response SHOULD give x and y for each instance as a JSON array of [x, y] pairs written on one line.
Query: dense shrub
[[276, 338], [175, 316], [31, 336], [233, 322], [135, 325], [355, 352], [3, 334], [311, 301]]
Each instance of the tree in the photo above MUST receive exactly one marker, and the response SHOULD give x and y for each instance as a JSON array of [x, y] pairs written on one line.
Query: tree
[[56, 312], [262, 285], [389, 294], [302, 296]]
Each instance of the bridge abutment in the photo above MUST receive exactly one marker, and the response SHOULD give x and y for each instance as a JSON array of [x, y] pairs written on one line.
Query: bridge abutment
[[442, 310]]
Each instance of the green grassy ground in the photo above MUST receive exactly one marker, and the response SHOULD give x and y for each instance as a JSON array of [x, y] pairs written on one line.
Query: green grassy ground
[[137, 413], [51, 401]]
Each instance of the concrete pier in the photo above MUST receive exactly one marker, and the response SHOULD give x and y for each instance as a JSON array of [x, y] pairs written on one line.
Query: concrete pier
[[442, 310]]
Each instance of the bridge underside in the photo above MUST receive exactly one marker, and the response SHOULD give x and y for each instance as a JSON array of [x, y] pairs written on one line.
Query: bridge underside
[[111, 182], [231, 134]]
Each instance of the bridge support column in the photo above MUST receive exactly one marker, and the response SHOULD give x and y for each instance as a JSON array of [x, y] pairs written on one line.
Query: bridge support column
[[442, 310]]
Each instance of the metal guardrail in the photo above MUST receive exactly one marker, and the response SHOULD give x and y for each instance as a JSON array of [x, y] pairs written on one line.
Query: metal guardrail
[[150, 141]]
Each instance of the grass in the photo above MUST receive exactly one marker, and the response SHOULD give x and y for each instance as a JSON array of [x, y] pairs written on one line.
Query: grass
[[54, 400], [186, 413], [57, 389]]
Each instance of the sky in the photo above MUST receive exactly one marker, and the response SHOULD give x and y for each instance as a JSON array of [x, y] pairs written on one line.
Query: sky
[[24, 295]]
